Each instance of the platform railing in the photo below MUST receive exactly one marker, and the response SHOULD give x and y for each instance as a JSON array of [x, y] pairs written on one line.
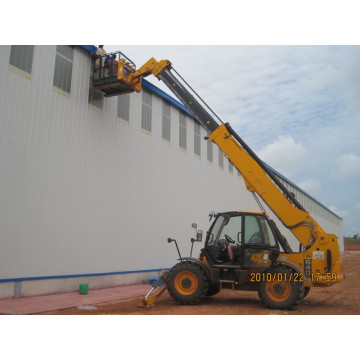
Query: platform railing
[[106, 66]]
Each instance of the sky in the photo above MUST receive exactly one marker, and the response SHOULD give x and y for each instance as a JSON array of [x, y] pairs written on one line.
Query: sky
[[297, 107]]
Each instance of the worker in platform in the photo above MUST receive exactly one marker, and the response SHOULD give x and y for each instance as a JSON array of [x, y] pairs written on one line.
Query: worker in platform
[[100, 61], [112, 66]]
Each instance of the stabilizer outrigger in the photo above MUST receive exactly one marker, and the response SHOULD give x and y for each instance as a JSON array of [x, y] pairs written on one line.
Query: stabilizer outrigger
[[159, 285], [156, 291]]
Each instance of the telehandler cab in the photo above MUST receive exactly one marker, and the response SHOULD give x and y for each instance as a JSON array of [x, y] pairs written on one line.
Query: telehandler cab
[[263, 260]]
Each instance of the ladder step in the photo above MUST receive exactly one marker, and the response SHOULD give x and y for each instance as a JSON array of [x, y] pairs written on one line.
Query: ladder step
[[227, 282], [227, 266]]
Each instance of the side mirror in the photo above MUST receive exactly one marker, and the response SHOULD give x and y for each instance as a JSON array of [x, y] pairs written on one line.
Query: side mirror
[[199, 235]]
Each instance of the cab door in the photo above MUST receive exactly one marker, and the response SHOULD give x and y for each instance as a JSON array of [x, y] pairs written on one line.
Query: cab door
[[260, 248]]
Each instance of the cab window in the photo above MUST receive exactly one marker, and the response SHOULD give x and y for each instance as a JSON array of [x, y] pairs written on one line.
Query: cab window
[[267, 233], [257, 231], [252, 230], [232, 228], [213, 235]]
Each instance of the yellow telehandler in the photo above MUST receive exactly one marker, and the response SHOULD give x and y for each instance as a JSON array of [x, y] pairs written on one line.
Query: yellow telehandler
[[243, 250]]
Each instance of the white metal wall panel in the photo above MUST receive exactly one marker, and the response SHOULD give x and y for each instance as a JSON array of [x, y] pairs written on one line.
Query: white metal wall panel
[[82, 192]]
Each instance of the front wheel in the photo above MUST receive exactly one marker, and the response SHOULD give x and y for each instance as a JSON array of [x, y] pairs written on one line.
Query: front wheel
[[212, 290], [187, 282], [279, 290]]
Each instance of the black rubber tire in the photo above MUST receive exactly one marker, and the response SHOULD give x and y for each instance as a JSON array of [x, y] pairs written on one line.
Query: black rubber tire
[[187, 283], [281, 294], [306, 291], [212, 290]]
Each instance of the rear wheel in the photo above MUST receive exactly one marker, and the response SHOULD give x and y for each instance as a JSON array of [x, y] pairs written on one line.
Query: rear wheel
[[279, 290], [306, 291], [187, 282]]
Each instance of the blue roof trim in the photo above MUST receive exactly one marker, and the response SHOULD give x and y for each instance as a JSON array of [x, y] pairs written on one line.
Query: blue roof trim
[[148, 85], [89, 48]]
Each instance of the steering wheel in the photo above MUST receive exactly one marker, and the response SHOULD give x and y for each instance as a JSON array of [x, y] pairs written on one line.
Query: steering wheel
[[254, 237], [229, 240]]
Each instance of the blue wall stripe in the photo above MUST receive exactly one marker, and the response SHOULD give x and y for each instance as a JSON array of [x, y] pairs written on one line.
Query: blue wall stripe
[[78, 275]]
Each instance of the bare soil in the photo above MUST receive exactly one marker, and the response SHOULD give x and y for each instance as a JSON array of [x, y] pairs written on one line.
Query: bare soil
[[339, 299]]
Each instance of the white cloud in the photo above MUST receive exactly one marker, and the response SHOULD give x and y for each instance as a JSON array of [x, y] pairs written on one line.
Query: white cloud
[[348, 167], [310, 186], [282, 153]]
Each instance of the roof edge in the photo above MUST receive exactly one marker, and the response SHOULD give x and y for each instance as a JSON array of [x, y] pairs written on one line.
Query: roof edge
[[148, 85], [301, 190]]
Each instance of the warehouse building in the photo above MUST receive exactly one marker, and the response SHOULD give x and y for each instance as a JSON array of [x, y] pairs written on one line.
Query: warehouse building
[[92, 187]]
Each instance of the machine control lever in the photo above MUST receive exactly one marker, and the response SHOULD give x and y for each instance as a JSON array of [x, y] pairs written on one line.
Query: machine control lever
[[173, 240]]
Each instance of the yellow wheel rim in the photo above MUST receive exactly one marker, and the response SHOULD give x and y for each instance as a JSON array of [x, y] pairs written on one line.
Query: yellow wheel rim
[[186, 283], [278, 291]]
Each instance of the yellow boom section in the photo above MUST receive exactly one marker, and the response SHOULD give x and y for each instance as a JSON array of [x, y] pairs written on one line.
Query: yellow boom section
[[256, 180], [132, 77]]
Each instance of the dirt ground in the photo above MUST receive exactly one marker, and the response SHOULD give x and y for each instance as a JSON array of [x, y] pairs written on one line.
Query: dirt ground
[[339, 299]]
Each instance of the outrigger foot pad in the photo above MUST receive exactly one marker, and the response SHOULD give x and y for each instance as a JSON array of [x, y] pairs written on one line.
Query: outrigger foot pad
[[152, 296]]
